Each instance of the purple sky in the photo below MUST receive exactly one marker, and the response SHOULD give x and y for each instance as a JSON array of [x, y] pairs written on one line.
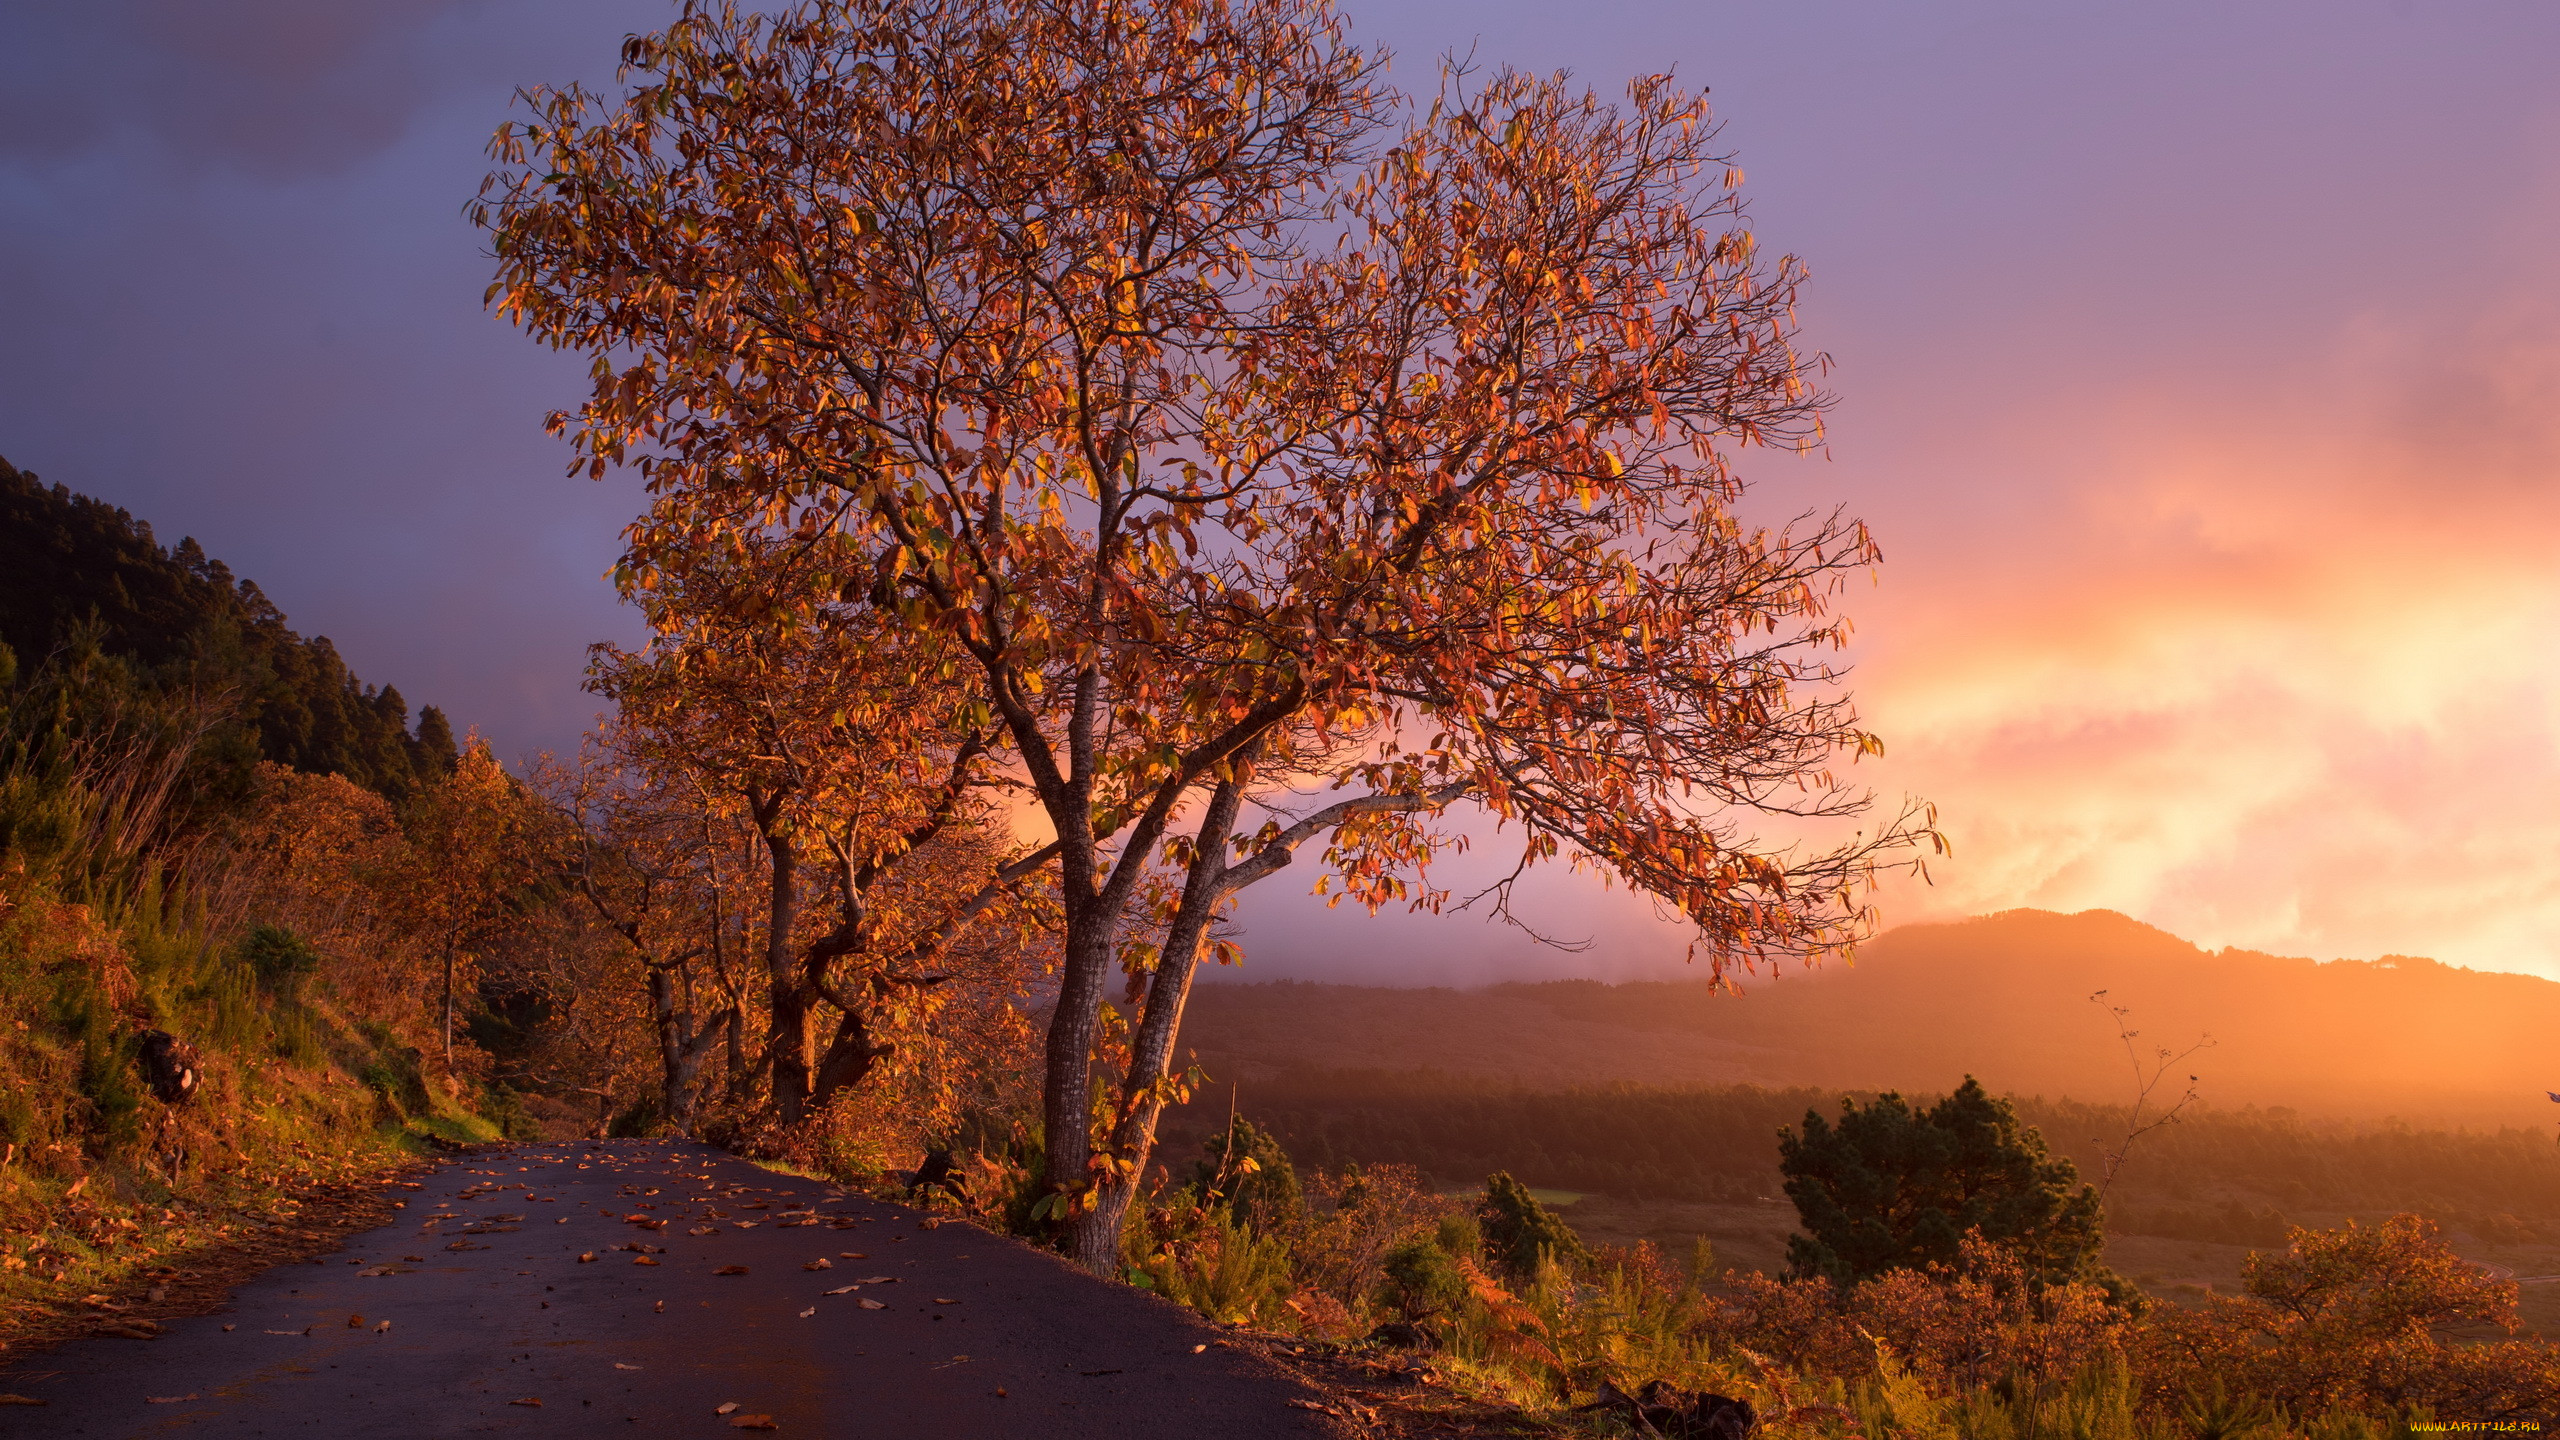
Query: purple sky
[[2201, 367]]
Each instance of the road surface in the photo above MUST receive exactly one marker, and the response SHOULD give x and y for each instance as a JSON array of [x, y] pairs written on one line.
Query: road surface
[[481, 1312]]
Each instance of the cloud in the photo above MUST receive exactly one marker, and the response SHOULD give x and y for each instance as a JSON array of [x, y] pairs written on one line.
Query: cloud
[[272, 87], [2285, 682]]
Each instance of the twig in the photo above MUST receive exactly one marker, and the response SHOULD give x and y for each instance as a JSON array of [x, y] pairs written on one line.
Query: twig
[[2145, 1082]]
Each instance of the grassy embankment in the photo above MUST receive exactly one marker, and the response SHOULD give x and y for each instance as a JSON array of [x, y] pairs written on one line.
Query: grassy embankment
[[107, 1189]]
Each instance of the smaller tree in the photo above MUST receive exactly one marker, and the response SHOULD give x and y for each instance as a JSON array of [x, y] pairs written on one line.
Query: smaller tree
[[1893, 1188], [1519, 1232], [2358, 1318], [466, 864]]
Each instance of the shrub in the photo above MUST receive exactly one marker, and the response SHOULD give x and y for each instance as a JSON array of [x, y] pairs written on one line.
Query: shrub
[[279, 959], [1419, 1279], [2349, 1320], [1339, 1248], [1520, 1233], [1244, 1170], [1206, 1258]]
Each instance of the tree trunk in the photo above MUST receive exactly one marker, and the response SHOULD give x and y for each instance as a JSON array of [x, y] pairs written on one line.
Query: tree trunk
[[681, 1048], [849, 1059], [787, 1031], [448, 1009], [1067, 1085], [1093, 1236], [736, 1030]]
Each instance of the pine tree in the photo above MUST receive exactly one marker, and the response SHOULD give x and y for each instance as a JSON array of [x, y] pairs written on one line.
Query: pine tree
[[1892, 1188]]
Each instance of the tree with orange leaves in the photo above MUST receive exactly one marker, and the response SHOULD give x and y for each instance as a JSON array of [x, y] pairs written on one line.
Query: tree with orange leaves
[[885, 873], [1250, 440], [464, 863]]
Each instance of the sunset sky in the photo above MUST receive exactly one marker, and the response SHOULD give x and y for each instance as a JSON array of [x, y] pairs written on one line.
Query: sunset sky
[[2199, 364]]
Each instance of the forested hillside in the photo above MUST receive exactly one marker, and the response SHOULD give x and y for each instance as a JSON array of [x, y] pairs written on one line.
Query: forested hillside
[[2005, 997], [235, 892], [78, 573]]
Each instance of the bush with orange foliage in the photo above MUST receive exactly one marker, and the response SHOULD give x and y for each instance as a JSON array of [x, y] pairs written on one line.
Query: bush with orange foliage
[[2356, 1319], [1980, 1320]]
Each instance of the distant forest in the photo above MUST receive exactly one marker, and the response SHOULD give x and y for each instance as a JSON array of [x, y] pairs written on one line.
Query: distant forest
[[78, 574], [2226, 1176], [2004, 997]]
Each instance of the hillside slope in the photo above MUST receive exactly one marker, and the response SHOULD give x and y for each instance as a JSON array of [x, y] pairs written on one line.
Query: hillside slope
[[2004, 997], [79, 573], [208, 913]]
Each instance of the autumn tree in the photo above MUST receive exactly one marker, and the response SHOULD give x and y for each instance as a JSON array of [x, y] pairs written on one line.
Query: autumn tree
[[1285, 462], [462, 867], [630, 845], [885, 873]]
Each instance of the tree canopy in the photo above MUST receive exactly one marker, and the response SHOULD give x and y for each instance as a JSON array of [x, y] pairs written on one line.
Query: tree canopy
[[1891, 1188], [1255, 441]]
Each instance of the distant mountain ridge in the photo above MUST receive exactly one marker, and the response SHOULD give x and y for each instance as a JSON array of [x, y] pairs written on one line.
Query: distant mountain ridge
[[2004, 997]]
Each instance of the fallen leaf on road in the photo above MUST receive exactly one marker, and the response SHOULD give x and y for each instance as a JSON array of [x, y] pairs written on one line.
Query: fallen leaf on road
[[704, 1230], [644, 1260], [730, 1270], [166, 1399], [587, 1259], [1196, 1349], [744, 1224], [945, 1302], [812, 1310], [288, 1332], [533, 1400], [871, 1305], [821, 1263], [355, 1322], [465, 1245], [844, 1289], [752, 1422], [381, 1327], [618, 1365], [229, 1328], [378, 1271], [726, 1406], [851, 1255], [879, 1279], [144, 1330], [415, 1259], [22, 1400], [563, 1220]]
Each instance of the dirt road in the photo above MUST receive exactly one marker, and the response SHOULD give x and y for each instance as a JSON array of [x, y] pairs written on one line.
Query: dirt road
[[656, 1288]]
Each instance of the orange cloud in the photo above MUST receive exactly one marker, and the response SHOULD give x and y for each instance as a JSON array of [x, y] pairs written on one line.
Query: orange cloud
[[2279, 675]]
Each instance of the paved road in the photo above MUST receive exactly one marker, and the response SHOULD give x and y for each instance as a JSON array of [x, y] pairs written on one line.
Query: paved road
[[489, 1302]]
